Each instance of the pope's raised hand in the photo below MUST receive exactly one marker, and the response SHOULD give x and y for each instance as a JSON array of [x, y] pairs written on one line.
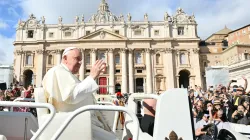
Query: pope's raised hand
[[97, 68]]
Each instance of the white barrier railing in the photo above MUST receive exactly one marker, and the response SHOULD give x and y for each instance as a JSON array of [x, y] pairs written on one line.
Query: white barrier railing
[[116, 114], [35, 105], [22, 99], [97, 107], [143, 96]]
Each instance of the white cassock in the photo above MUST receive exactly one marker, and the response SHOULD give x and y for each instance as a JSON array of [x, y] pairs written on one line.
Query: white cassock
[[67, 93]]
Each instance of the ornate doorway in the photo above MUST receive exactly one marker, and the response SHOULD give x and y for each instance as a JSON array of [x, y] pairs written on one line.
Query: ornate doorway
[[139, 85], [184, 79], [102, 83], [27, 78]]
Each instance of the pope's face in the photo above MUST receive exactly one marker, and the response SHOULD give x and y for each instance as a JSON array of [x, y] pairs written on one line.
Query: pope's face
[[73, 60]]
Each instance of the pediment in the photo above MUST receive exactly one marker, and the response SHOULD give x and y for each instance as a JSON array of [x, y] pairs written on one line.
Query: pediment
[[103, 34]]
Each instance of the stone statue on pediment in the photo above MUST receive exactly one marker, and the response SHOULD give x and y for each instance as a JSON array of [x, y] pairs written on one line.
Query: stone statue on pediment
[[82, 18], [60, 20], [129, 17], [43, 20], [146, 17], [93, 18], [32, 16], [166, 16], [76, 19], [192, 19], [180, 11], [174, 20], [121, 18]]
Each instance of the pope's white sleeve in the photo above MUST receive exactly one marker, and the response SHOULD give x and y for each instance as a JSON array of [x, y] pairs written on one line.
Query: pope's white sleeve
[[82, 90]]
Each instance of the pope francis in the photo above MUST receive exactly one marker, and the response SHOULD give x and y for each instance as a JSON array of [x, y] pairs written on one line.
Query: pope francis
[[66, 92]]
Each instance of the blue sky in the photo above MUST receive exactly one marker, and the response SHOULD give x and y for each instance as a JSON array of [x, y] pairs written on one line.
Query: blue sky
[[211, 15]]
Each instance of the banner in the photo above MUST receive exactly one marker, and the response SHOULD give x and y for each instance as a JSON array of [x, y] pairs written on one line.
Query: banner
[[217, 75]]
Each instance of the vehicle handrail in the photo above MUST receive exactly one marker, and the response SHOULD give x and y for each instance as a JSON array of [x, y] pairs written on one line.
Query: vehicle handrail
[[22, 99], [116, 114], [35, 105], [97, 107], [143, 96]]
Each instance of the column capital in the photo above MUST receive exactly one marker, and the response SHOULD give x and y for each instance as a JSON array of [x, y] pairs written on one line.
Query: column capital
[[111, 50], [196, 50], [93, 50], [58, 51], [40, 51], [169, 50], [148, 50], [123, 50], [19, 52], [131, 50], [82, 50]]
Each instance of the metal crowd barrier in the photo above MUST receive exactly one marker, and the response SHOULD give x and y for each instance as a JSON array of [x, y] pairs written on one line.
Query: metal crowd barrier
[[98, 107], [35, 105]]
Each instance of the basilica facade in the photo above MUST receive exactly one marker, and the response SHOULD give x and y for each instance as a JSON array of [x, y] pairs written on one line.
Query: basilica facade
[[141, 56]]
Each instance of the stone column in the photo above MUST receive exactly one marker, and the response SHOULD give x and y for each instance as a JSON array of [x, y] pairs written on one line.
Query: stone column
[[58, 57], [82, 68], [40, 67], [131, 70], [169, 67], [111, 71], [93, 56], [196, 66], [18, 65], [124, 71], [192, 81], [149, 80], [177, 81]]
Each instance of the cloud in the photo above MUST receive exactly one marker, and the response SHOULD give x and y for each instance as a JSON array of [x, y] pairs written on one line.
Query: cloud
[[3, 25], [6, 50]]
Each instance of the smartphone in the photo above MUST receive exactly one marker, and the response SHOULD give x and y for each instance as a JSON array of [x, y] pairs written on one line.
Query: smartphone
[[234, 90]]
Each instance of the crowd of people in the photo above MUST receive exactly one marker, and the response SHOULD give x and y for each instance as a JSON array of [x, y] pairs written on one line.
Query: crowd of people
[[17, 91], [219, 104]]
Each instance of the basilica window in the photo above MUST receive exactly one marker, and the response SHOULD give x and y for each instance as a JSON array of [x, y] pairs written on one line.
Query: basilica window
[[180, 30], [117, 31], [67, 34], [158, 56], [29, 60], [102, 56], [117, 59], [117, 71], [30, 34], [138, 58], [50, 57], [87, 32], [157, 32], [183, 58], [51, 35], [137, 32], [88, 59]]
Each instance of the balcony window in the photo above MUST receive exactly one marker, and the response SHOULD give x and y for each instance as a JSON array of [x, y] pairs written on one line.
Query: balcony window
[[29, 60], [180, 30], [138, 58], [30, 34], [117, 59], [88, 59]]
